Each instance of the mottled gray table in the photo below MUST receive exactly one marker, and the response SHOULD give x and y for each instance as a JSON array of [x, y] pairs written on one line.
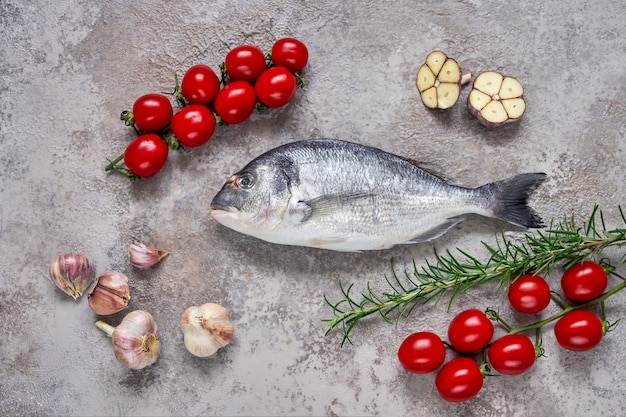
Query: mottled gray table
[[67, 69]]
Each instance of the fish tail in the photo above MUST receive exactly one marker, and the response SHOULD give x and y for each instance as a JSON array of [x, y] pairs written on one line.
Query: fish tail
[[510, 199]]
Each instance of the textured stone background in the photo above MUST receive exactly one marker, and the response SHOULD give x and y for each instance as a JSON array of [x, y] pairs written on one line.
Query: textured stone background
[[67, 69]]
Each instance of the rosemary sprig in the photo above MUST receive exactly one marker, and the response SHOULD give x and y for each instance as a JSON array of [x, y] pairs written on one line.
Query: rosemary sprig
[[456, 272]]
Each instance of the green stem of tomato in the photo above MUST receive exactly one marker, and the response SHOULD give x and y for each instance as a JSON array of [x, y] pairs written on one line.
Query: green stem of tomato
[[174, 143], [606, 326], [494, 316], [114, 162], [260, 107], [128, 118], [485, 370], [113, 166], [600, 299], [558, 300], [180, 99], [538, 344], [224, 73], [300, 81]]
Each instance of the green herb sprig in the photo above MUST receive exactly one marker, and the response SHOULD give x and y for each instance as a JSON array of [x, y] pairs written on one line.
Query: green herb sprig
[[564, 242]]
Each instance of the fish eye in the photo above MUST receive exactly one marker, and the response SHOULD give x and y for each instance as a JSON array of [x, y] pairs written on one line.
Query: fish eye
[[245, 181]]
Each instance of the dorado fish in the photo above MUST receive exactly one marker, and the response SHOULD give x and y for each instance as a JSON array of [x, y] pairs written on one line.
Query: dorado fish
[[338, 195]]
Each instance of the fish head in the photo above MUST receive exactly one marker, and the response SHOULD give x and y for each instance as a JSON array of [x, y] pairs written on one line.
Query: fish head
[[254, 200]]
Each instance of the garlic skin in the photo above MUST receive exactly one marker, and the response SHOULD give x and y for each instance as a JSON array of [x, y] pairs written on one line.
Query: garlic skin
[[72, 273], [136, 340], [109, 294], [143, 256], [206, 329]]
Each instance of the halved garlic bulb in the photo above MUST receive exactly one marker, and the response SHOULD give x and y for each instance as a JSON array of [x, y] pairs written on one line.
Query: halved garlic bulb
[[439, 81], [496, 99]]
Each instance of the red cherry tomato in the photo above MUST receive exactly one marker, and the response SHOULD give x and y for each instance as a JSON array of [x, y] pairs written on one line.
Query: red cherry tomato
[[275, 87], [578, 330], [152, 112], [470, 331], [584, 281], [422, 352], [290, 53], [245, 63], [235, 102], [529, 294], [146, 155], [193, 125], [459, 380], [512, 354], [200, 85]]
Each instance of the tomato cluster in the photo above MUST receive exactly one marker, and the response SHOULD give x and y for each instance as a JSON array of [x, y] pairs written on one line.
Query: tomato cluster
[[461, 378], [471, 332], [578, 329], [249, 80]]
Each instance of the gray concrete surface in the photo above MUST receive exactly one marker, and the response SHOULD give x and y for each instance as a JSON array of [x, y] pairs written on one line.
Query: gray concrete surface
[[68, 68]]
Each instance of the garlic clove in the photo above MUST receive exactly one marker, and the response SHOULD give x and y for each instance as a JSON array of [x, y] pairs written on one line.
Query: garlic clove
[[72, 273], [136, 340], [143, 256], [206, 329], [109, 294]]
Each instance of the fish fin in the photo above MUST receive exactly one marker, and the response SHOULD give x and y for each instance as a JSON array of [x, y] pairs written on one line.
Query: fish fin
[[437, 231], [337, 244], [301, 210], [432, 170], [327, 205], [510, 199]]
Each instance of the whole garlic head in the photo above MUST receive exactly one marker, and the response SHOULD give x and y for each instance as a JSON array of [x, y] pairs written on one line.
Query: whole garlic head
[[136, 340], [206, 329]]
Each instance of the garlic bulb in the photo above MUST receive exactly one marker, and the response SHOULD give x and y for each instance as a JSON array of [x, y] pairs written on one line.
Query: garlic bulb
[[206, 329], [72, 273], [109, 294], [136, 339], [143, 256]]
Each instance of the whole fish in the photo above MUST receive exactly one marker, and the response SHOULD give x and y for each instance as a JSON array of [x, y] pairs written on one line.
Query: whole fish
[[338, 195]]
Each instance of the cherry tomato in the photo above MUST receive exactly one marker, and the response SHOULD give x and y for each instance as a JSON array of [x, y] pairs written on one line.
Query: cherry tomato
[[290, 53], [235, 102], [422, 352], [470, 331], [459, 380], [245, 63], [529, 294], [584, 281], [146, 155], [193, 125], [512, 354], [578, 330], [275, 87], [200, 85], [152, 112]]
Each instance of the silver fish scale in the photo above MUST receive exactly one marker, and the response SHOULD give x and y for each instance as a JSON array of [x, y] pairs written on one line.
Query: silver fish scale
[[367, 192], [344, 167]]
